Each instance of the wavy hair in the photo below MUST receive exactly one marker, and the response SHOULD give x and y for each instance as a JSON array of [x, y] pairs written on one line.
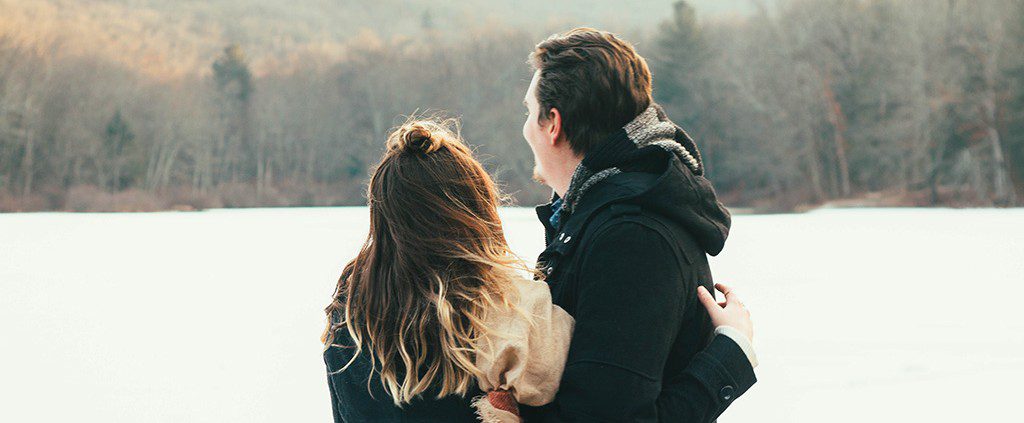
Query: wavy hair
[[435, 262]]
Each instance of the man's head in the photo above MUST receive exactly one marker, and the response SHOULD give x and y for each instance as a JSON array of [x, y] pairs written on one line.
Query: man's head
[[587, 85]]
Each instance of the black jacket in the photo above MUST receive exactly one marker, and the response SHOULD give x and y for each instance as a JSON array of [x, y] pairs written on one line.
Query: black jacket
[[626, 265], [356, 398]]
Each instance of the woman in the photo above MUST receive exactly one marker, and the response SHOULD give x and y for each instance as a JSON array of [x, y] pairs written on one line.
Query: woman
[[436, 310]]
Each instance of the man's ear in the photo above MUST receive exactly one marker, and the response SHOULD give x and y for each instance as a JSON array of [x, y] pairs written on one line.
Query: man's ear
[[555, 129]]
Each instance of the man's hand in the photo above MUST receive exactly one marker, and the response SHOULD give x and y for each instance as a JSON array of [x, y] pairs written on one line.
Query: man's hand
[[731, 312]]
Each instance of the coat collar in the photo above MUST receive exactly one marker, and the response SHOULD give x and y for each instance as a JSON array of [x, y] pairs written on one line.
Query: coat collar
[[615, 189]]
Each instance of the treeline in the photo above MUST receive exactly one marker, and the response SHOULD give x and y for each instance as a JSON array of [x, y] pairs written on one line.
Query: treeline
[[905, 102], [909, 102], [82, 134]]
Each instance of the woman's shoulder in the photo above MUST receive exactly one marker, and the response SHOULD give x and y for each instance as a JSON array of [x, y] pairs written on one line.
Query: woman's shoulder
[[529, 298], [532, 294], [341, 350], [532, 300]]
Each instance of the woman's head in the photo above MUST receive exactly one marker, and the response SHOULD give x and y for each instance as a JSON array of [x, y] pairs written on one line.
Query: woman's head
[[435, 261], [430, 196]]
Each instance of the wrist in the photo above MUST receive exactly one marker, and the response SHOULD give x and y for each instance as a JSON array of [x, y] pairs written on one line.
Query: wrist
[[740, 339]]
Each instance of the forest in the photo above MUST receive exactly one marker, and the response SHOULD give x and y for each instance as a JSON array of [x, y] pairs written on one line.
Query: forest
[[131, 106]]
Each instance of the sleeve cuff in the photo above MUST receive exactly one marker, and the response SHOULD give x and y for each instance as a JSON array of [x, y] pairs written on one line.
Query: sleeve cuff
[[723, 371], [740, 339]]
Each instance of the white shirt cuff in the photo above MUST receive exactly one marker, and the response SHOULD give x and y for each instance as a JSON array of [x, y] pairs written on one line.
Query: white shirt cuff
[[740, 339]]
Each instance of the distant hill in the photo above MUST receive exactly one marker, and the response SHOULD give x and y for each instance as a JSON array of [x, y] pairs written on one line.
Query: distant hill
[[174, 38]]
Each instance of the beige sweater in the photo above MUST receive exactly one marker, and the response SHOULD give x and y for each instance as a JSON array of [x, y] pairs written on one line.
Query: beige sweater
[[529, 359]]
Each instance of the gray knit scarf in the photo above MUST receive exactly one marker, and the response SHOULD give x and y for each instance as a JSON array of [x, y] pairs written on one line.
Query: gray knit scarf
[[650, 128]]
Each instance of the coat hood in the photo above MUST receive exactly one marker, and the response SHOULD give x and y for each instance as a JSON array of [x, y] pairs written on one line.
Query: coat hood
[[653, 163]]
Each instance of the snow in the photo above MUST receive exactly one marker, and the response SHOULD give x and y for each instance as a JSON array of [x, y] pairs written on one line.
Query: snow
[[860, 314]]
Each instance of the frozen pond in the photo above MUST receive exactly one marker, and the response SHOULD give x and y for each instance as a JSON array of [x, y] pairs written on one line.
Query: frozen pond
[[860, 315]]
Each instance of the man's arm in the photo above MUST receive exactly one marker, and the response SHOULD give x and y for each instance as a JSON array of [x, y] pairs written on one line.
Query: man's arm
[[627, 314], [711, 382]]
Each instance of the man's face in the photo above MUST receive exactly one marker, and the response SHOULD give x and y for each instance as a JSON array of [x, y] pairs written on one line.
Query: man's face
[[538, 133]]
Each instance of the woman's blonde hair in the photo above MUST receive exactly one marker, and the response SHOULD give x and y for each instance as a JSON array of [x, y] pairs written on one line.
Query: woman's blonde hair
[[434, 264]]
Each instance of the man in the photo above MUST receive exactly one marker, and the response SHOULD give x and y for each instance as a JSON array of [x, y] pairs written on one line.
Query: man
[[628, 229]]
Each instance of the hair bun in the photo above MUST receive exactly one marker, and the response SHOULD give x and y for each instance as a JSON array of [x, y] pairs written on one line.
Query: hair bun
[[417, 136]]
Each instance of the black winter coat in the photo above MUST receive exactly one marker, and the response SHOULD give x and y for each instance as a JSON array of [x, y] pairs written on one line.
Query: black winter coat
[[626, 265]]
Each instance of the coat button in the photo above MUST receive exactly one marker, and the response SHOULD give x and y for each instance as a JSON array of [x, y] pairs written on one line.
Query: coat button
[[726, 392]]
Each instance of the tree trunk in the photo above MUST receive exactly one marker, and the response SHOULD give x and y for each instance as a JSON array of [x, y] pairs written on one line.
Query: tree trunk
[[260, 170], [28, 163], [838, 121], [1002, 195], [165, 166], [813, 165]]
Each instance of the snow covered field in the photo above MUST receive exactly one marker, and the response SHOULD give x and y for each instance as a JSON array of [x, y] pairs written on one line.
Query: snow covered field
[[876, 315]]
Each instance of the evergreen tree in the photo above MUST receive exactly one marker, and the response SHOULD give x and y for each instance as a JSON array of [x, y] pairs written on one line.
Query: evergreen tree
[[1013, 142], [679, 61], [235, 87], [118, 140], [232, 74]]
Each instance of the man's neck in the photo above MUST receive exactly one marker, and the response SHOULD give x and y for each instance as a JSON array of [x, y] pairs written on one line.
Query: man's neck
[[560, 181]]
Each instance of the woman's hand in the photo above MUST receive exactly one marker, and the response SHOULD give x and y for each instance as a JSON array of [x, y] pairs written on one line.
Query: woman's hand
[[731, 312]]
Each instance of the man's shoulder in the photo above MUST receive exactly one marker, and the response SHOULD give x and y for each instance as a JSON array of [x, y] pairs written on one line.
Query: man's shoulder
[[620, 228], [631, 217], [625, 230], [630, 242]]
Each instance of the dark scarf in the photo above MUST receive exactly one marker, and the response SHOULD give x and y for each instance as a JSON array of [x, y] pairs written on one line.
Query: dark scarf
[[649, 133]]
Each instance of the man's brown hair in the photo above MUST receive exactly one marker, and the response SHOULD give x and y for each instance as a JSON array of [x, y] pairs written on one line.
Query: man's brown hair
[[596, 80]]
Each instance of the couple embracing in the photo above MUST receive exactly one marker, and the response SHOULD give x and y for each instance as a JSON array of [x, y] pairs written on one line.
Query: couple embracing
[[436, 320]]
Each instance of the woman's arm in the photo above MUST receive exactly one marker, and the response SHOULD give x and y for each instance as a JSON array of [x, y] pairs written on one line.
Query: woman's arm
[[526, 357], [720, 373]]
